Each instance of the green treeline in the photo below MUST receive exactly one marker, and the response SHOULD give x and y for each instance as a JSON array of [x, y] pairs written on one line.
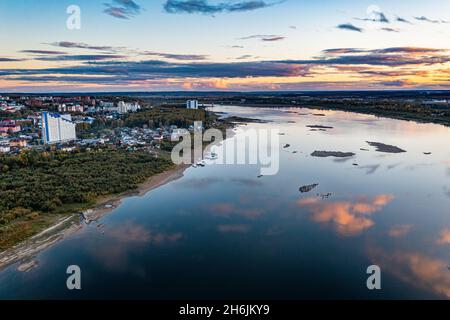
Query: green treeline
[[46, 181], [159, 117], [33, 183]]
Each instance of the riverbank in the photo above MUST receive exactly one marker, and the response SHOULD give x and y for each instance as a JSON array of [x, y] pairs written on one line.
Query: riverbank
[[415, 115], [64, 226], [39, 187], [106, 205], [389, 113]]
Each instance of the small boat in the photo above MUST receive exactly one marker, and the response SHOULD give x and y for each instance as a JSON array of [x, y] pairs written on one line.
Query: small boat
[[201, 163]]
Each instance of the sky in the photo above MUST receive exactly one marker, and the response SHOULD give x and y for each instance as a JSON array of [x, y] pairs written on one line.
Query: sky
[[213, 45]]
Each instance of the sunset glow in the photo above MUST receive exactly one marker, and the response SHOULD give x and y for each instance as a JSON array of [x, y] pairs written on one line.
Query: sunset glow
[[209, 46]]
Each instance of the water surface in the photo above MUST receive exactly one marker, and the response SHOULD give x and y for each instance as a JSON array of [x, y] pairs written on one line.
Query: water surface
[[222, 232]]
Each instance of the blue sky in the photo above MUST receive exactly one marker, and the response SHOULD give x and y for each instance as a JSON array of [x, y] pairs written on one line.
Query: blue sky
[[270, 31]]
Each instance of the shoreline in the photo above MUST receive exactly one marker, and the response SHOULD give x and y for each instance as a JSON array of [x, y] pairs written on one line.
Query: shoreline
[[26, 251], [392, 115], [108, 204], [67, 224]]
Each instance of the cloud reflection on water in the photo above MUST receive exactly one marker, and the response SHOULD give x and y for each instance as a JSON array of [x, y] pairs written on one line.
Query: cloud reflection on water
[[415, 269], [228, 210], [348, 218], [444, 237], [400, 230]]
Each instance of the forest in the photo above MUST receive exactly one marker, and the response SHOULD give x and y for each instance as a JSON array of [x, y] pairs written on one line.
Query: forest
[[35, 184]]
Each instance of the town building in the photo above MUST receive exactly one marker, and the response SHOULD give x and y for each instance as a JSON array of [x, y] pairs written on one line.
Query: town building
[[57, 128], [18, 143], [4, 148], [192, 104], [70, 108], [123, 107], [106, 104], [9, 126]]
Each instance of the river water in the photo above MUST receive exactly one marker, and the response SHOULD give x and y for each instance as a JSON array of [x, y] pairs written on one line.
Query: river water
[[223, 232]]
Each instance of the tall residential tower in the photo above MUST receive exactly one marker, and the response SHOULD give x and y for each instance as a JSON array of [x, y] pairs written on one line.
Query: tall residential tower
[[57, 128]]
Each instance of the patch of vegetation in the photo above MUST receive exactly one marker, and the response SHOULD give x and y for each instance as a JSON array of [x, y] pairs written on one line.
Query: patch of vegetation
[[160, 117], [34, 185]]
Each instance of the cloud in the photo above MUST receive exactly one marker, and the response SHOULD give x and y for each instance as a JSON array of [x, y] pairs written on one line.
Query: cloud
[[264, 37], [338, 51], [116, 69], [10, 59], [131, 232], [349, 27], [370, 169], [444, 237], [228, 210], [426, 19], [116, 12], [390, 29], [152, 69], [278, 38], [400, 231], [347, 218], [129, 4], [185, 57], [416, 269], [81, 45], [233, 228], [122, 9], [395, 56], [381, 17], [415, 50], [394, 83], [82, 57], [378, 16], [204, 7], [403, 20], [173, 56], [246, 182], [244, 57], [47, 52], [200, 183]]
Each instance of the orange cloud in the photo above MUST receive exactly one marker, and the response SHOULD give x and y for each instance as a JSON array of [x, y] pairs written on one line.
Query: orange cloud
[[121, 241], [444, 237], [416, 269], [131, 232], [348, 218]]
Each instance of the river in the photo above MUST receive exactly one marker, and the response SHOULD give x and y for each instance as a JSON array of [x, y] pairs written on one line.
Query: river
[[224, 232]]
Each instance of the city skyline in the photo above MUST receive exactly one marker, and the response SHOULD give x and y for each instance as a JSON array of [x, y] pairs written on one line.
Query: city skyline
[[198, 45]]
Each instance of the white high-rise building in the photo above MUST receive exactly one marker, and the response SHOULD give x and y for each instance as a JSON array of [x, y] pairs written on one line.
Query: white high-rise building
[[123, 107], [192, 104], [57, 128]]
